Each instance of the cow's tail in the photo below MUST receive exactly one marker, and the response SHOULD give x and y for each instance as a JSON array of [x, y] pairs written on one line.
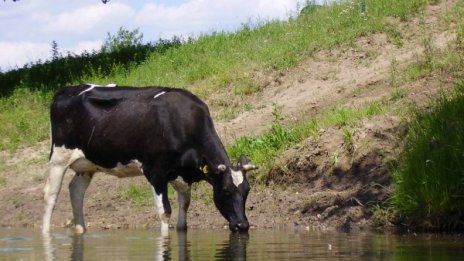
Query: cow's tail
[[51, 143]]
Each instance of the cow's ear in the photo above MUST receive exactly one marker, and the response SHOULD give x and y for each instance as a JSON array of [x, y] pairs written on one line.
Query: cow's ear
[[222, 168], [245, 165]]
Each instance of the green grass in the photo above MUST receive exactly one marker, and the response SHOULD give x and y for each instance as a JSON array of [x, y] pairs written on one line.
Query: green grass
[[382, 216], [137, 195], [430, 179], [141, 195], [24, 118]]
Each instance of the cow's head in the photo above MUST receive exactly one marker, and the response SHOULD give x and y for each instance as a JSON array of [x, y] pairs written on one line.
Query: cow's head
[[231, 189]]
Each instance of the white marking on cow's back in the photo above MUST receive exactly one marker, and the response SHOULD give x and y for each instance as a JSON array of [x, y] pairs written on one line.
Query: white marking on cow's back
[[159, 94], [88, 89], [237, 177], [92, 85]]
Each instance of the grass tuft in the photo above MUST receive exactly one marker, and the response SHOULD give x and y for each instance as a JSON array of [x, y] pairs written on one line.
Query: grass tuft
[[137, 195], [430, 179]]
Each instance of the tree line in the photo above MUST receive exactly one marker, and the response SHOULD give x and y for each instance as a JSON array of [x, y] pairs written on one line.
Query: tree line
[[119, 51]]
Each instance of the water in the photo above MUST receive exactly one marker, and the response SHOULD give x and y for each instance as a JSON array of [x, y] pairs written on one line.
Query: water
[[28, 244]]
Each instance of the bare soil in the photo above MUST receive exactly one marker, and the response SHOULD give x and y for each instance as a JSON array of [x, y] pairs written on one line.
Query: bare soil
[[323, 183]]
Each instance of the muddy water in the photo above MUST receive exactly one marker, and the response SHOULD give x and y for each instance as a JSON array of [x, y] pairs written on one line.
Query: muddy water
[[27, 244]]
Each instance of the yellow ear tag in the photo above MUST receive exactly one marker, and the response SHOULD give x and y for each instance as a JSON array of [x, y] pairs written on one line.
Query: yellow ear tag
[[205, 169]]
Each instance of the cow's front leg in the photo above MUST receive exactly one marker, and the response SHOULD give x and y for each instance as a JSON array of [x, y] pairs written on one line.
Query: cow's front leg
[[183, 198], [159, 185], [77, 188], [163, 207]]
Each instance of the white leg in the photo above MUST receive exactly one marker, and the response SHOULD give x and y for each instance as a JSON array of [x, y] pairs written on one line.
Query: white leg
[[163, 215], [183, 198], [77, 188], [51, 192]]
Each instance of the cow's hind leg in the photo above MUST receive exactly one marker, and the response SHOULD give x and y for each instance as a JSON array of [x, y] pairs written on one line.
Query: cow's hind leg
[[51, 192], [183, 198], [77, 188], [163, 207]]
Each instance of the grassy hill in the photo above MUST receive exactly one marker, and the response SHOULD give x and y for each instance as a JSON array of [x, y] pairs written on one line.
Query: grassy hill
[[222, 62]]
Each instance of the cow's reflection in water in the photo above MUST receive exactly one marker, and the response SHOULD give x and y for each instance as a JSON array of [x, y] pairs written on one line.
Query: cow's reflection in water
[[234, 248], [50, 247], [77, 252]]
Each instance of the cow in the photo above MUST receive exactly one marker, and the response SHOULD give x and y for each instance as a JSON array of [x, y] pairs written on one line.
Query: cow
[[165, 134]]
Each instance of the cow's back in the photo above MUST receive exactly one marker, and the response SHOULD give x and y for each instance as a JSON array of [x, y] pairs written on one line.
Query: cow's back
[[112, 125]]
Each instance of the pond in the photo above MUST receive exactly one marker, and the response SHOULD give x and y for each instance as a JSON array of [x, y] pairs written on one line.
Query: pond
[[111, 245]]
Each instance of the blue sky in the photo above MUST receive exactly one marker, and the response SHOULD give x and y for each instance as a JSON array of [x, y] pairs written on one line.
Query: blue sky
[[29, 26]]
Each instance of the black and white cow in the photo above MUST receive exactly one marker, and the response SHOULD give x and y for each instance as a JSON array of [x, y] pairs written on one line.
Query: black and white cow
[[163, 133]]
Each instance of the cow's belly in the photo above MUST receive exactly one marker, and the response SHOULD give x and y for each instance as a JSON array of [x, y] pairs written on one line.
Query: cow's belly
[[75, 160], [132, 169]]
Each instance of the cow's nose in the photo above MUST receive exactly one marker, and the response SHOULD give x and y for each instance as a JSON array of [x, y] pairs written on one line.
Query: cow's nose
[[242, 226]]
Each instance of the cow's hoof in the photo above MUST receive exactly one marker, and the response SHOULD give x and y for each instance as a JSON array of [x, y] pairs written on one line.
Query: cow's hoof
[[79, 230]]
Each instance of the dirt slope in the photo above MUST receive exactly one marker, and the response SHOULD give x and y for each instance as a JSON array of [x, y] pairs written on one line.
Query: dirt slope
[[333, 185]]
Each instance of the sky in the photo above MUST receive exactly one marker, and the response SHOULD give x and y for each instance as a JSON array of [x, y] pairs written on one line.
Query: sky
[[28, 27]]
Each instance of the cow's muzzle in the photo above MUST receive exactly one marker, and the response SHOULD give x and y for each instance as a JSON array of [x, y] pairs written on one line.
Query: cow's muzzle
[[241, 226]]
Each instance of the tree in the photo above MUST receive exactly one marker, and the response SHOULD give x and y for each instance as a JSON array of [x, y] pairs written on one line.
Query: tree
[[122, 39], [54, 51]]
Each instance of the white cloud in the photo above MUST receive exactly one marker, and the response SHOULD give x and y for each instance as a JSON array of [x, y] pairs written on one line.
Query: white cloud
[[88, 46], [88, 18], [19, 53], [199, 16]]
